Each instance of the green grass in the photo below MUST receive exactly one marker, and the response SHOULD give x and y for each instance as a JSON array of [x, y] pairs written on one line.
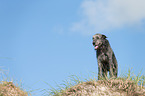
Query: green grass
[[138, 80], [9, 87], [129, 83], [72, 80]]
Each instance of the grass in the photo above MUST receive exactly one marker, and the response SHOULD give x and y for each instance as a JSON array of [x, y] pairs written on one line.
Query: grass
[[8, 88], [72, 80], [128, 84]]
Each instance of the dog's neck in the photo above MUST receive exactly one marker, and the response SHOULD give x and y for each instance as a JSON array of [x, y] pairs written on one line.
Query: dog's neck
[[104, 47]]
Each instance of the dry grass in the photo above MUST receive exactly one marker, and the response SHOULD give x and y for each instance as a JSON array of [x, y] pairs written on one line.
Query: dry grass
[[9, 89], [113, 87], [129, 85]]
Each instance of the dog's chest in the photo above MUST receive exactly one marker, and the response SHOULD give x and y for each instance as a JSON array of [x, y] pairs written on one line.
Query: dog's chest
[[103, 57]]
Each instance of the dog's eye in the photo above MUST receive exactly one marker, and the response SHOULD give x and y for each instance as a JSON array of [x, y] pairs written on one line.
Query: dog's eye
[[97, 37]]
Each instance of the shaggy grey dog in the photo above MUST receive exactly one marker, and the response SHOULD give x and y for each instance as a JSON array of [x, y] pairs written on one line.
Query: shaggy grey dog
[[105, 57]]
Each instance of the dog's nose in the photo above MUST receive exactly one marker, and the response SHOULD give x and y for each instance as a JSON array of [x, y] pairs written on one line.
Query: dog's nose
[[93, 43]]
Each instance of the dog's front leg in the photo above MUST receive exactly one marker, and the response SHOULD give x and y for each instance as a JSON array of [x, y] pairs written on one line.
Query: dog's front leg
[[99, 70], [110, 68]]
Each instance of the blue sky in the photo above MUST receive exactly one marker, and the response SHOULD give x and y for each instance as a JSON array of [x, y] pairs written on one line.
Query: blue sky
[[49, 40]]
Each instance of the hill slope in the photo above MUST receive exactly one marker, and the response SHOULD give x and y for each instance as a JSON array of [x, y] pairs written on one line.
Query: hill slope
[[113, 87], [9, 89]]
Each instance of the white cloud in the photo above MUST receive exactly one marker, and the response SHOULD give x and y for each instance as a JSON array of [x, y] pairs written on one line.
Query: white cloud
[[58, 29], [104, 15]]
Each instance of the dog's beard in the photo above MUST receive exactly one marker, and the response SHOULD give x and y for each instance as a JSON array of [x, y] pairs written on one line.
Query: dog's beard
[[98, 46]]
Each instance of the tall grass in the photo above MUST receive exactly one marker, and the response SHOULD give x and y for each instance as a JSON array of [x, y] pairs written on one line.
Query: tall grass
[[73, 80], [5, 80], [138, 80], [70, 82]]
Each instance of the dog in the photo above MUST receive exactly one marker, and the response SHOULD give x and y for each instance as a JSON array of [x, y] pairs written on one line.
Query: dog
[[105, 57]]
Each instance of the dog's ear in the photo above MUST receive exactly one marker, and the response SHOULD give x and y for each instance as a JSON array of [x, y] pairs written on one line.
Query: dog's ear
[[103, 36]]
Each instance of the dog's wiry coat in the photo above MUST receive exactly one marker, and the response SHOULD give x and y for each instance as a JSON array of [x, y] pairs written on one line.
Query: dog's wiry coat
[[105, 57]]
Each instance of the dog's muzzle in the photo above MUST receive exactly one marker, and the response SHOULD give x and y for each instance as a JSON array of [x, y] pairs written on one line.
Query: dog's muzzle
[[96, 47]]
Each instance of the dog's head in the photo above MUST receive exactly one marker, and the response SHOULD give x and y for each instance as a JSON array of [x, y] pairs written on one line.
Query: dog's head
[[98, 40]]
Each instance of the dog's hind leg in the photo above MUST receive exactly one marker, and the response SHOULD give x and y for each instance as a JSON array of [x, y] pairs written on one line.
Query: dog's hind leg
[[115, 66]]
